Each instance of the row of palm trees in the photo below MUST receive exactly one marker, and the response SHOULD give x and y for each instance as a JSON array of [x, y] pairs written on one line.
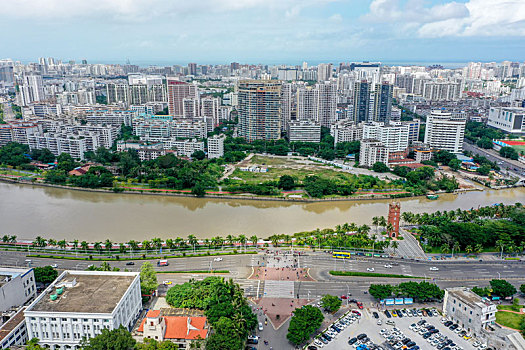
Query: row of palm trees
[[488, 212], [156, 244]]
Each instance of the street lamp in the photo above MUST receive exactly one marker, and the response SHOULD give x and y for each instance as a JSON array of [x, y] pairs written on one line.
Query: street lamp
[[499, 275]]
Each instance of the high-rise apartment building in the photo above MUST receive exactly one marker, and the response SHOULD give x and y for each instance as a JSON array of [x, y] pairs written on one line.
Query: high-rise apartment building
[[177, 92], [445, 131], [382, 107], [117, 93], [324, 72], [216, 146], [318, 103], [259, 110], [361, 100], [31, 89], [192, 68], [394, 137], [371, 152]]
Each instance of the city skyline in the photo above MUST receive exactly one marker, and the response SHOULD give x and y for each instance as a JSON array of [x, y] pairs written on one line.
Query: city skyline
[[267, 32]]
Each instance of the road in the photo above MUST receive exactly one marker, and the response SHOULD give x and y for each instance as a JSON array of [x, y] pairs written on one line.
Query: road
[[240, 267], [504, 163]]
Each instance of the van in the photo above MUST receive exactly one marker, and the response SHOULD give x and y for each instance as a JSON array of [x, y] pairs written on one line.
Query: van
[[162, 263]]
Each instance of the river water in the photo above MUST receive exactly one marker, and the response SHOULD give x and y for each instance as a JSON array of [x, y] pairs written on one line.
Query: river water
[[29, 211]]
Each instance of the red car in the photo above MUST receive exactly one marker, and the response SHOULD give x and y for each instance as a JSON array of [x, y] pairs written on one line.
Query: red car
[[356, 312], [360, 305], [344, 297]]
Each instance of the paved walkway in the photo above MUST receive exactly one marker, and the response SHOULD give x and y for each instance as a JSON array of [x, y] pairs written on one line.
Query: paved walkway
[[278, 289]]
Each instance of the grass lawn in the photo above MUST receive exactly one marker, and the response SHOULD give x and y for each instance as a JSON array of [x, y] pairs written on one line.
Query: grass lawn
[[509, 319], [511, 307]]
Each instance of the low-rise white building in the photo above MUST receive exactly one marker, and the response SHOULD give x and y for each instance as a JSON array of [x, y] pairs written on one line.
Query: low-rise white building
[[14, 331], [81, 304], [477, 316], [346, 131], [216, 146], [304, 131], [508, 119], [371, 152], [17, 287]]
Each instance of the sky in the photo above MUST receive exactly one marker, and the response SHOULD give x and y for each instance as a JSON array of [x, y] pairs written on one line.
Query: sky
[[263, 31]]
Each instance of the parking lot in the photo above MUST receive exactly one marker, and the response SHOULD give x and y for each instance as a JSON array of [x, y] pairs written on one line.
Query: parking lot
[[399, 328]]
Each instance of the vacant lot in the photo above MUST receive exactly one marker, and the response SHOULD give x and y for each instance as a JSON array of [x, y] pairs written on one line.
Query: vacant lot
[[509, 319]]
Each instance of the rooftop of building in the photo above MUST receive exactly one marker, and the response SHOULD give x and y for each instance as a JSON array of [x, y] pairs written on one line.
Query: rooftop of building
[[85, 293], [469, 297], [180, 327], [11, 324], [7, 274]]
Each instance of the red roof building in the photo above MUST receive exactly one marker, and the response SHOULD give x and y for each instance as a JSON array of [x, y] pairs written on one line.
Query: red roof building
[[177, 329]]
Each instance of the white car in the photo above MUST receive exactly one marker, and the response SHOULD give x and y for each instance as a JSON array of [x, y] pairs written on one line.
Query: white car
[[433, 268], [388, 266], [54, 266], [260, 326], [379, 322], [217, 259], [370, 269]]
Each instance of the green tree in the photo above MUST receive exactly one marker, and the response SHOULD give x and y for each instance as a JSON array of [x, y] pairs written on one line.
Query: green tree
[[380, 291], [116, 339], [502, 288], [33, 345], [45, 274], [199, 189], [148, 278], [522, 288], [305, 321], [330, 302], [455, 164], [380, 167], [199, 155], [509, 152], [286, 182], [225, 336]]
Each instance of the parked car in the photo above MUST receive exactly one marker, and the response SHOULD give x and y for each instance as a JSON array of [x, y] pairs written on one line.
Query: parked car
[[260, 326], [129, 263], [375, 314], [352, 341]]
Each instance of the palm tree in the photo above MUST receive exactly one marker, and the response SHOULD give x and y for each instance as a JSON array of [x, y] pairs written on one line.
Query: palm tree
[[75, 244], [170, 244], [455, 247], [108, 245], [445, 248], [98, 246], [12, 239], [52, 242], [5, 239], [389, 228], [62, 244], [146, 245], [478, 248], [501, 244], [230, 239], [375, 222], [122, 248], [207, 243], [468, 249], [254, 241], [157, 242], [382, 221], [243, 240], [192, 241], [275, 240], [394, 245], [40, 242], [134, 245], [84, 246]]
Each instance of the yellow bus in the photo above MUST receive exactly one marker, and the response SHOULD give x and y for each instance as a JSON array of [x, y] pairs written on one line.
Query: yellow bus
[[341, 255]]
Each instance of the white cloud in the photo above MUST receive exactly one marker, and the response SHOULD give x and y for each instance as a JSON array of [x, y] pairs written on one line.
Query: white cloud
[[132, 10], [473, 18]]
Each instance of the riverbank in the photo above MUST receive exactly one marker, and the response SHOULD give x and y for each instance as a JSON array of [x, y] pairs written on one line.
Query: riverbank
[[161, 192], [59, 213]]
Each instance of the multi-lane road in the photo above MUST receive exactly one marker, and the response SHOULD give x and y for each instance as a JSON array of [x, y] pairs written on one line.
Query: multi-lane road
[[514, 167], [450, 273]]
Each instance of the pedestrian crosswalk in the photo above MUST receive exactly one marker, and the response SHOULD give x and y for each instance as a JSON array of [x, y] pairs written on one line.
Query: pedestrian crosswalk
[[279, 289]]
